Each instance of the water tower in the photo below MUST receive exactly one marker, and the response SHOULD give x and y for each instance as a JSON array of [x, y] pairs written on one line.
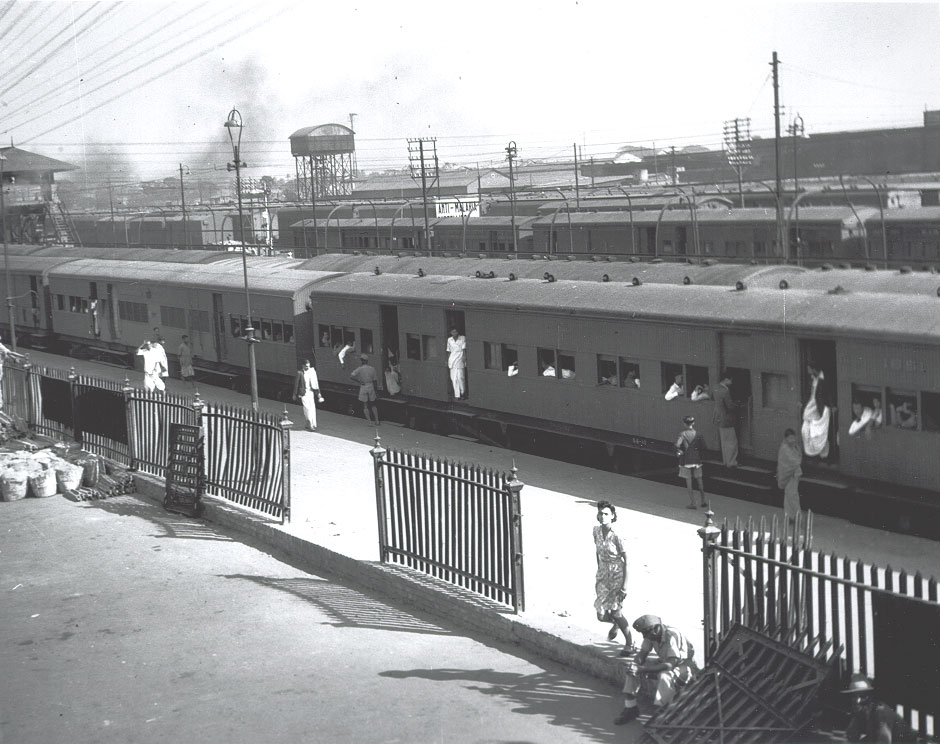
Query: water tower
[[324, 158]]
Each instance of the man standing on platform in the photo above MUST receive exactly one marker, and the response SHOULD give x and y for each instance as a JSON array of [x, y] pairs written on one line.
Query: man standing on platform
[[457, 363], [789, 470], [153, 367], [307, 389], [366, 376], [185, 352], [726, 417]]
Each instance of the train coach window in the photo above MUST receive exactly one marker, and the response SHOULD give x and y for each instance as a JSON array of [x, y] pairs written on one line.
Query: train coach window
[[931, 411], [365, 341], [277, 332], [288, 333], [136, 312], [775, 391], [413, 346], [629, 374], [173, 317], [78, 304], [902, 409], [547, 367], [265, 329], [566, 366], [430, 347], [510, 359], [236, 324], [607, 371], [492, 359], [324, 336], [60, 302], [199, 320], [673, 374]]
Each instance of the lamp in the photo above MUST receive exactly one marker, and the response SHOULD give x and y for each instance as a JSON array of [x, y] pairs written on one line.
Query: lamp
[[234, 126]]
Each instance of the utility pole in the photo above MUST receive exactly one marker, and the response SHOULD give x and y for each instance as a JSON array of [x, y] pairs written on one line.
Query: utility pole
[[423, 162], [796, 130], [510, 156], [738, 148], [183, 203], [782, 240], [6, 261], [577, 185], [111, 201], [672, 153]]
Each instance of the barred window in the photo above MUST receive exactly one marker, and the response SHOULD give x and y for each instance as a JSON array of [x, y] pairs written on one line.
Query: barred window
[[135, 312], [173, 317], [199, 320]]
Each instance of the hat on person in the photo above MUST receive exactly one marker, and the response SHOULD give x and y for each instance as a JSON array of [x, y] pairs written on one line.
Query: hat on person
[[363, 358], [689, 420], [858, 682], [645, 623]]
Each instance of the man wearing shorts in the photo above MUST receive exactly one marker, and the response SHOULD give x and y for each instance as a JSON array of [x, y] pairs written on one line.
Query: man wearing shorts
[[366, 376]]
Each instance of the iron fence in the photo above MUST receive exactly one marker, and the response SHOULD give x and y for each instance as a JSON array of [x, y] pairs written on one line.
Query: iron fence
[[247, 453], [459, 523], [886, 622]]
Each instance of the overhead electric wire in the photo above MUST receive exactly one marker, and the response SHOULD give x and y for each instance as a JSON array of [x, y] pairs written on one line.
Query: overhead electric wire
[[149, 80], [56, 49], [197, 33], [38, 99], [14, 53], [13, 23]]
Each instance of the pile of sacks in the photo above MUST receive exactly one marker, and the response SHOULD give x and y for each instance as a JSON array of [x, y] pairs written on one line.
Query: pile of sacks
[[43, 473]]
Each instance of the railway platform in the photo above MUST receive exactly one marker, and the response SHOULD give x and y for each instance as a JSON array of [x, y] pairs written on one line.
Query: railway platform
[[333, 528]]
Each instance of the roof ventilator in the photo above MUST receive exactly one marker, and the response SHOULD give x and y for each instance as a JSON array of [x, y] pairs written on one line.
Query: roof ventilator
[[512, 277], [636, 281], [687, 280], [739, 286], [420, 272], [784, 284], [837, 290], [605, 278], [548, 277], [377, 270]]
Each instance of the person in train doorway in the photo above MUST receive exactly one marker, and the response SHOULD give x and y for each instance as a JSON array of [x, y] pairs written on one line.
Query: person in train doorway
[[789, 470], [185, 353], [689, 449], [457, 363], [153, 367], [307, 390], [726, 416], [366, 376], [674, 667], [817, 414], [872, 720]]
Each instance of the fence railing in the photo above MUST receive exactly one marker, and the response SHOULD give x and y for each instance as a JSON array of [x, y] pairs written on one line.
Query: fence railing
[[886, 622], [459, 523], [247, 453]]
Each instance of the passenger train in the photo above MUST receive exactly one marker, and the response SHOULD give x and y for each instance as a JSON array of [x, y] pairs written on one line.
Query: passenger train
[[606, 324]]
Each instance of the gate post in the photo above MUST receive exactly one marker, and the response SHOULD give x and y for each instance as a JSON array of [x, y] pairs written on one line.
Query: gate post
[[131, 419], [28, 383], [286, 424], [378, 458], [708, 533], [514, 487], [76, 426]]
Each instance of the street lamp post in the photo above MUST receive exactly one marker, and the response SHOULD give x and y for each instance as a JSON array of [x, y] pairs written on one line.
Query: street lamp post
[[511, 155], [796, 130], [6, 260], [234, 126]]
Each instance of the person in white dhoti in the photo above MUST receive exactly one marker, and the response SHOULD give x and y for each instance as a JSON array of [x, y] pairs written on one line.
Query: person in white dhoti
[[307, 390], [153, 366], [457, 363]]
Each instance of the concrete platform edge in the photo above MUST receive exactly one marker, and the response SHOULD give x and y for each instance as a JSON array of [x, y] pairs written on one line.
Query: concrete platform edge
[[414, 590]]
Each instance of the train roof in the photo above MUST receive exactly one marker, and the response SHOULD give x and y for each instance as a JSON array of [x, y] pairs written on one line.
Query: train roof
[[662, 272], [894, 316], [120, 254], [264, 276], [857, 280], [680, 214]]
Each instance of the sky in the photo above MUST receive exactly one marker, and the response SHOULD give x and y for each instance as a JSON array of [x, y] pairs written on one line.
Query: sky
[[135, 89]]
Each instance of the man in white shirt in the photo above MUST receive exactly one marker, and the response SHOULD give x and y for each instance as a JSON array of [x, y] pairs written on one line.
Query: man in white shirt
[[457, 363]]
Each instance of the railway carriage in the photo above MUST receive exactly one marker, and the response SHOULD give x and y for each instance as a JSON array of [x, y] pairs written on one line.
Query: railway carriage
[[114, 306], [576, 343]]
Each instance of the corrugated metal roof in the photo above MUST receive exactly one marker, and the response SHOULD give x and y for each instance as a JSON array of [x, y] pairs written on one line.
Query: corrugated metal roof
[[262, 277], [882, 315], [618, 271]]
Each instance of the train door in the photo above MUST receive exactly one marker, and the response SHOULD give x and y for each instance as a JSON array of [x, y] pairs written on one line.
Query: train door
[[218, 326], [742, 395], [821, 356], [455, 319], [112, 313], [34, 299], [388, 334]]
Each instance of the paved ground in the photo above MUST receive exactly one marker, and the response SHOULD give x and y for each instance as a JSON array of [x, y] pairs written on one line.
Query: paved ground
[[122, 623], [334, 506]]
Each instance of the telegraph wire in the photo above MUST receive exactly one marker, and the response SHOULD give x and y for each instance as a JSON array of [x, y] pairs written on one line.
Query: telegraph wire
[[58, 48], [13, 23], [13, 53], [148, 80]]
